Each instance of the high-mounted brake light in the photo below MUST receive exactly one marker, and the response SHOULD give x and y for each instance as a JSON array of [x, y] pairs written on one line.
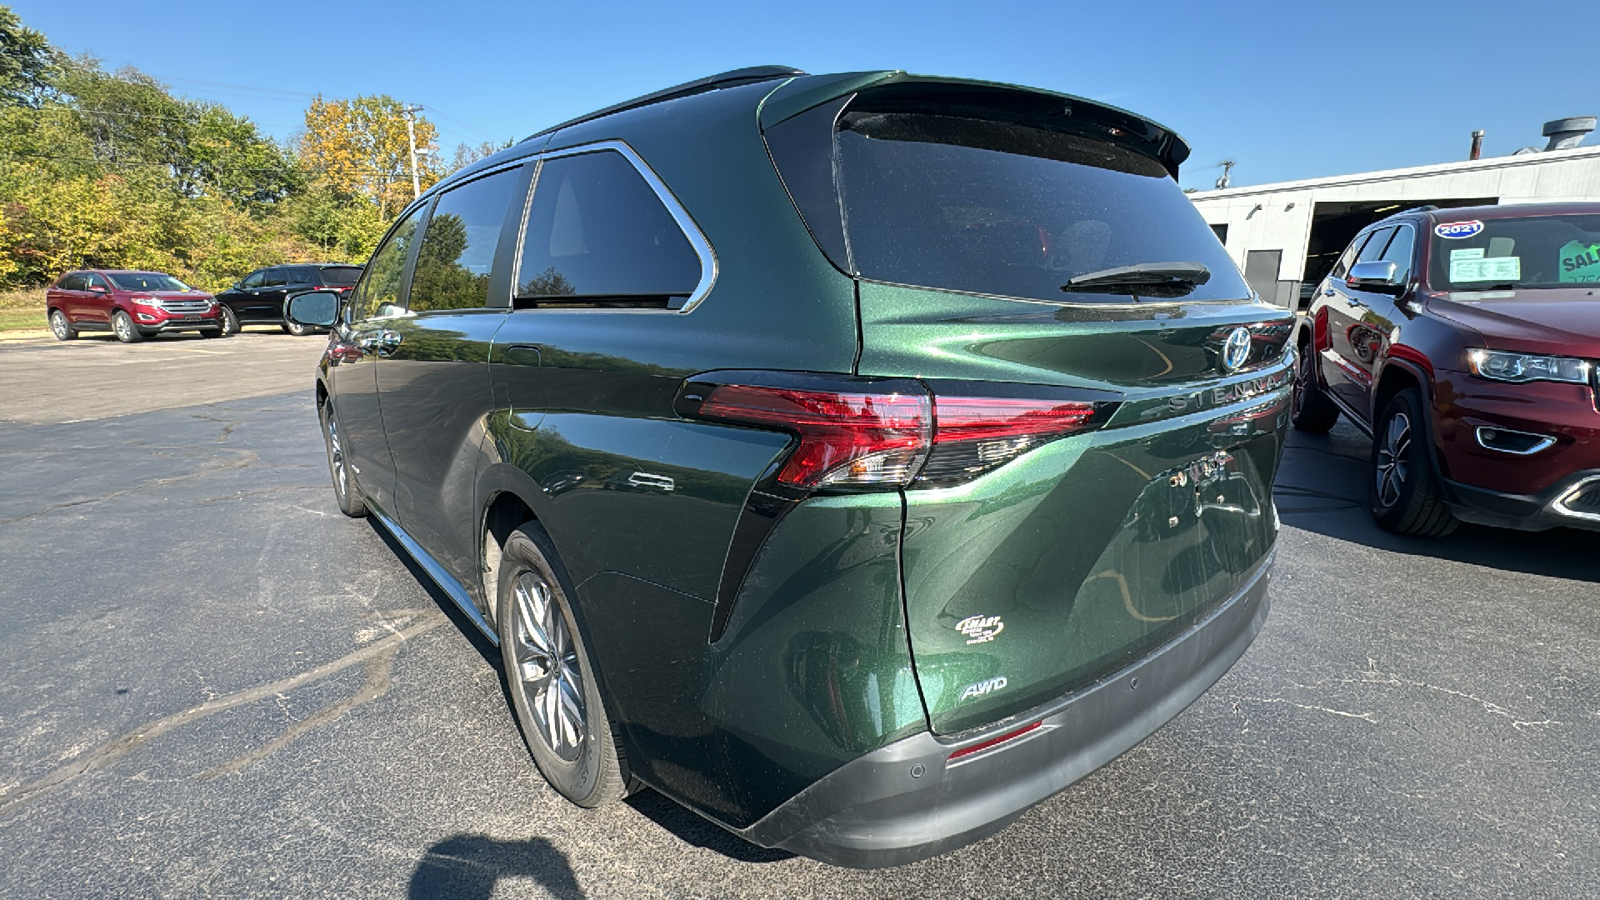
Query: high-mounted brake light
[[876, 434]]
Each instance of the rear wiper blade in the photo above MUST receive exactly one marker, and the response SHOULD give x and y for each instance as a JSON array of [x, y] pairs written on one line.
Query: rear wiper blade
[[1180, 277]]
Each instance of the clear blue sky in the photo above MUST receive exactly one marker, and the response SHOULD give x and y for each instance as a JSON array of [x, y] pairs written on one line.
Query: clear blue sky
[[1288, 89]]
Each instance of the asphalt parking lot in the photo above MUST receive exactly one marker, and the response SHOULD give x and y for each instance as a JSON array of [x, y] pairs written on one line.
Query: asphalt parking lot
[[213, 684]]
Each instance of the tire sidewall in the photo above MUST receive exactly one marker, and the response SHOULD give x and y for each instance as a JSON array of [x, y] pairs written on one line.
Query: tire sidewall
[[60, 326], [349, 499], [230, 322], [122, 326], [583, 781]]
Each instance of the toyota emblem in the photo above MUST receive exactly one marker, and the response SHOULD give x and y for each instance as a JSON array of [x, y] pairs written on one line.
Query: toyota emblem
[[1236, 349]]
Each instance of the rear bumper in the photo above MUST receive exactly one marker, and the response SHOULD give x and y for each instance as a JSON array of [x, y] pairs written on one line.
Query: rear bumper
[[1561, 505], [906, 801]]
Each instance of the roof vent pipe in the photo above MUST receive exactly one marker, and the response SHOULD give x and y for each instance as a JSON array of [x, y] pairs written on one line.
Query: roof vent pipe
[[1477, 146], [1564, 134]]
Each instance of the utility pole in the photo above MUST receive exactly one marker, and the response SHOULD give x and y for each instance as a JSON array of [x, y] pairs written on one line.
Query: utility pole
[[410, 113]]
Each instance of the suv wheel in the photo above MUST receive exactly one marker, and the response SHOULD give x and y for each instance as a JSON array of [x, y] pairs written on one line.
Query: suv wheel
[[1405, 490], [230, 321], [295, 328], [60, 327], [1310, 409], [126, 331], [344, 484], [551, 676]]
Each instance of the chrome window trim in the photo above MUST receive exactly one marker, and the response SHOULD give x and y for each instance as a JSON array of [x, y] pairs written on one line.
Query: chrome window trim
[[1545, 442], [686, 224]]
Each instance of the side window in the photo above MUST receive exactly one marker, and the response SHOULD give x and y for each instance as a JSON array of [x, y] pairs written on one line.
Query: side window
[[456, 256], [73, 282], [1348, 256], [300, 275], [254, 279], [1375, 244], [93, 281], [378, 294], [272, 278], [596, 229], [1399, 251]]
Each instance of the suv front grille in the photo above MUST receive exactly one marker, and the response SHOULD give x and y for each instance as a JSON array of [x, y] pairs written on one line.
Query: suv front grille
[[185, 307]]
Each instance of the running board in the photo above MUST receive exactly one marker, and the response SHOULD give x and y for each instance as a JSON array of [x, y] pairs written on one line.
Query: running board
[[454, 589]]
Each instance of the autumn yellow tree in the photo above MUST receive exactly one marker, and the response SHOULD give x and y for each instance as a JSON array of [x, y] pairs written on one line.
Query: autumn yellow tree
[[358, 149]]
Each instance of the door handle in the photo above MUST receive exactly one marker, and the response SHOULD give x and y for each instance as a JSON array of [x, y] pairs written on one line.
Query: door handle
[[1327, 292], [382, 342]]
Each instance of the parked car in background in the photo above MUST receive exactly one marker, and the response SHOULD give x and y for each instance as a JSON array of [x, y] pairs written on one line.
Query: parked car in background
[[258, 298], [1465, 341], [132, 305], [858, 460]]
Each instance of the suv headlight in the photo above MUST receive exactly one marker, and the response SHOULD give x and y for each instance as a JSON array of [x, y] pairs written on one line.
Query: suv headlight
[[144, 301], [1521, 367]]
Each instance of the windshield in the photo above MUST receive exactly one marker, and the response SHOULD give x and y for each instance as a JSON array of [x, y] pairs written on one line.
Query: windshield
[[147, 281], [993, 207], [1504, 254], [340, 276]]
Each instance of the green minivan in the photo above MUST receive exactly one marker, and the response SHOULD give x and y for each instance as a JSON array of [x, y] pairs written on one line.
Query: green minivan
[[856, 459]]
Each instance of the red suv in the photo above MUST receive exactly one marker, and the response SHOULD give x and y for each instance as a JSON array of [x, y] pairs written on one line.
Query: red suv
[[131, 305], [1465, 341]]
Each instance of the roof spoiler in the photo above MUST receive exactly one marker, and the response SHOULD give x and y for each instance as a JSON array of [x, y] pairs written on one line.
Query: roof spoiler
[[731, 78]]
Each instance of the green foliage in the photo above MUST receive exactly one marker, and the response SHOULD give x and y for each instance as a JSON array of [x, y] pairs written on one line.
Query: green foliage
[[111, 170]]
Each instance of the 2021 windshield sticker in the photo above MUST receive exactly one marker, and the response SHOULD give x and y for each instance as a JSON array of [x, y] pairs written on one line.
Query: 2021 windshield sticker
[[1477, 267], [1458, 230], [1579, 262]]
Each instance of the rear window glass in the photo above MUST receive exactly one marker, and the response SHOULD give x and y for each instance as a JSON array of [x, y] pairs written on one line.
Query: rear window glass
[[998, 208], [1500, 254], [340, 275], [147, 281]]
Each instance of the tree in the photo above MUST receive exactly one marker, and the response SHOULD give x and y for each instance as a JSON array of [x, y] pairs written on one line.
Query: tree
[[467, 154], [359, 149], [28, 64]]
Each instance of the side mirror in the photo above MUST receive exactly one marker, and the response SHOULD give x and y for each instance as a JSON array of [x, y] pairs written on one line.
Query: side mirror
[[1376, 277], [97, 289], [317, 308]]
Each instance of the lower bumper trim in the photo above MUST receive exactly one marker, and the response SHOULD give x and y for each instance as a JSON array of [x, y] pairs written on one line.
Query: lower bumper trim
[[908, 801]]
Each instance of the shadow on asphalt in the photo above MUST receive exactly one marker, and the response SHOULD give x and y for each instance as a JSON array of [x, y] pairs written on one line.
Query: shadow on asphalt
[[1322, 488], [469, 866], [691, 829]]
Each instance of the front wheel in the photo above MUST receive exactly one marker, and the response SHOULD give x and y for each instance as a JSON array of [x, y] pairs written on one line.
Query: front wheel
[[1310, 409], [295, 328], [230, 321], [60, 327], [126, 332], [344, 481], [551, 676], [1405, 489]]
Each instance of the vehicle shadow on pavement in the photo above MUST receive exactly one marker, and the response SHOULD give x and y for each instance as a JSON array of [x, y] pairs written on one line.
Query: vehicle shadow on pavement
[[693, 830], [469, 866], [1322, 488]]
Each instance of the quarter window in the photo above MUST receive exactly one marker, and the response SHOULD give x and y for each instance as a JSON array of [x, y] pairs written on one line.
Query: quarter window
[[456, 256], [596, 230], [379, 293]]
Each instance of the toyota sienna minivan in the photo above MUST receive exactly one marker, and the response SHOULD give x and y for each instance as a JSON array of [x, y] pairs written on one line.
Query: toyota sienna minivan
[[857, 459]]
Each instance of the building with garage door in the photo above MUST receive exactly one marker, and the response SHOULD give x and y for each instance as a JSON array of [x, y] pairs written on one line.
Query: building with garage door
[[1286, 236]]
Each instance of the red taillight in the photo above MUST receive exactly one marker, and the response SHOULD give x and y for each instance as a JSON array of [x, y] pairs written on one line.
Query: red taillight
[[883, 438], [984, 745], [845, 438]]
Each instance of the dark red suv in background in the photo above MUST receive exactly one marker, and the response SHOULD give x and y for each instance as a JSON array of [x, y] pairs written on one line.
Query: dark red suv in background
[[132, 305], [1465, 341]]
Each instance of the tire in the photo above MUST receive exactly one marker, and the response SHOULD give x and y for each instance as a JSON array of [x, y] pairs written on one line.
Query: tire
[[345, 490], [295, 328], [1311, 409], [550, 676], [1405, 496], [126, 332], [61, 327], [230, 321]]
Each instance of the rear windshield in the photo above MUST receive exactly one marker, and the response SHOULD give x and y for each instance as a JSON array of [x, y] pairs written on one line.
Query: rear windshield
[[340, 275], [146, 281], [991, 207], [1504, 254]]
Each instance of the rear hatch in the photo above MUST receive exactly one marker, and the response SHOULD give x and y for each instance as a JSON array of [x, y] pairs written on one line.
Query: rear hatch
[[1034, 567]]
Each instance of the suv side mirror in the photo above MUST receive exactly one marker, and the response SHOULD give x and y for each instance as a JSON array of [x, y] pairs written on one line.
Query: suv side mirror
[[98, 289], [1377, 277], [317, 308]]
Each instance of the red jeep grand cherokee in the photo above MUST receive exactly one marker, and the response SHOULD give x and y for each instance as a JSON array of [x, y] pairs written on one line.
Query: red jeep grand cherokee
[[131, 305], [1465, 341]]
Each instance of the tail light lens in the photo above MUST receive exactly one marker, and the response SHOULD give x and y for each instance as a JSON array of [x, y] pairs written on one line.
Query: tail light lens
[[891, 433]]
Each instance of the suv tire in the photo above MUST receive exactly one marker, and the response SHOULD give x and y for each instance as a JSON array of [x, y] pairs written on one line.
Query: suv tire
[[550, 675], [344, 477], [1311, 410], [62, 328], [230, 321], [122, 325], [295, 328], [1404, 487]]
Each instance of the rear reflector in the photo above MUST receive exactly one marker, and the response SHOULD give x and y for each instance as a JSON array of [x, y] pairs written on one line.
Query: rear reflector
[[979, 747]]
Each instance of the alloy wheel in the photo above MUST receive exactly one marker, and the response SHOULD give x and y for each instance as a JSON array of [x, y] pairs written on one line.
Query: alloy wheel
[[58, 325], [124, 328], [1303, 374], [546, 660], [1394, 453], [341, 475]]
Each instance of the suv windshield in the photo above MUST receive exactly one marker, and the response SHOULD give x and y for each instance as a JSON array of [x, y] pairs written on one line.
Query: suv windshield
[[1502, 254], [340, 276], [147, 281], [991, 207]]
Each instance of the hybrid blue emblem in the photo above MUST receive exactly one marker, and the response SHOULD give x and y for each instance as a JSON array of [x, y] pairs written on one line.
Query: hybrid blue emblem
[[1458, 230], [1236, 349]]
